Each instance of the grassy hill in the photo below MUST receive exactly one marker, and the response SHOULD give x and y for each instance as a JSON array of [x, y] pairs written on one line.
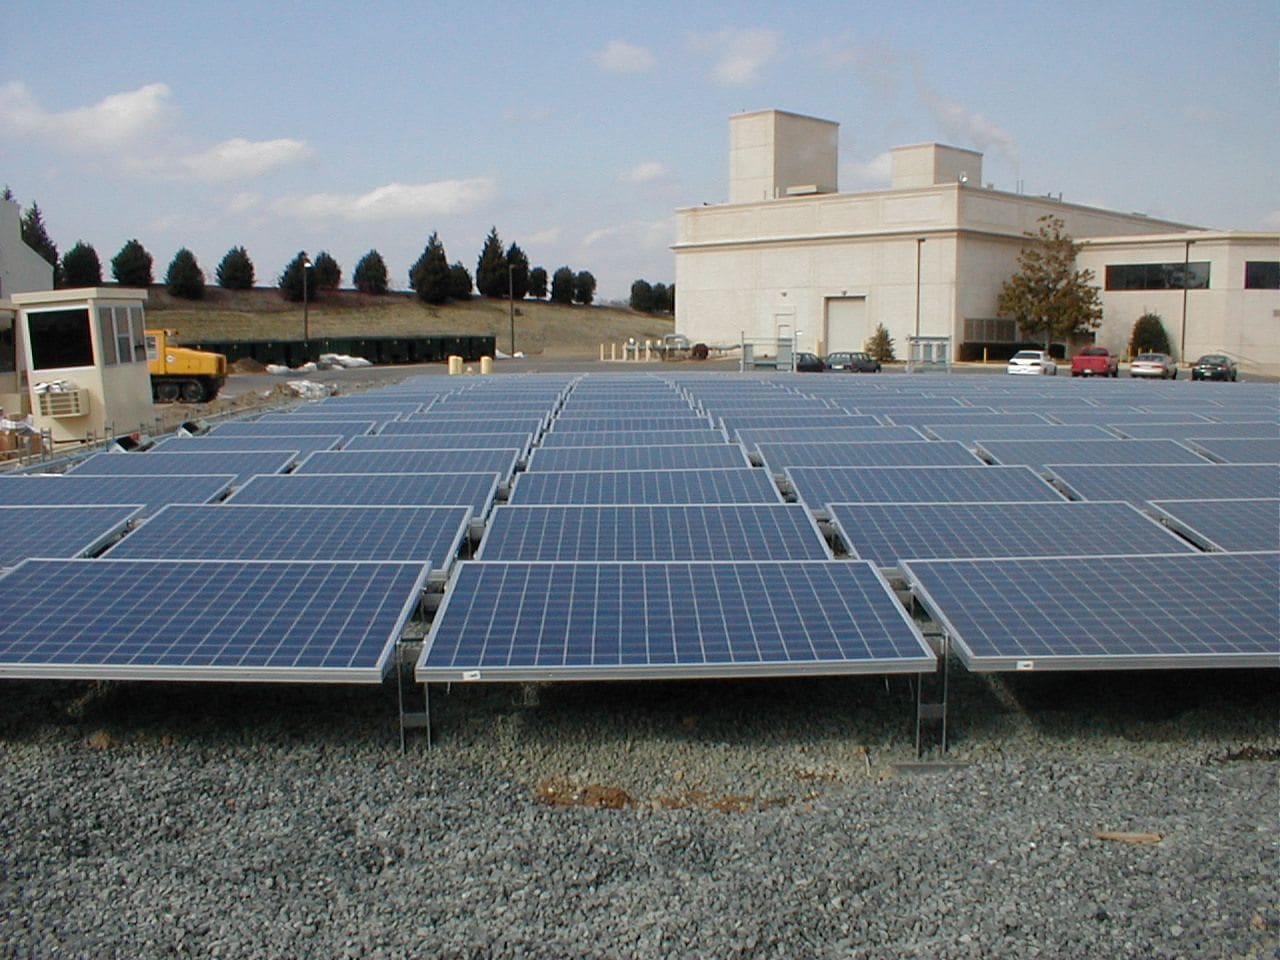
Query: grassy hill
[[542, 328]]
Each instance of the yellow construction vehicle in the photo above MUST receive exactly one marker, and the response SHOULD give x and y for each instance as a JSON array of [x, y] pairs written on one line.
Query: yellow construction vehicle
[[180, 373]]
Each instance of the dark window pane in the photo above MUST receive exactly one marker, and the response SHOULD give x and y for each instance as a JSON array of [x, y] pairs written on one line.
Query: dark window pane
[[1262, 275], [1158, 276], [60, 338]]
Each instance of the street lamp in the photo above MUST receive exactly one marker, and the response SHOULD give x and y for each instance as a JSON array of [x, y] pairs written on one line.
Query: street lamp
[[306, 312], [511, 299], [919, 247], [1186, 280]]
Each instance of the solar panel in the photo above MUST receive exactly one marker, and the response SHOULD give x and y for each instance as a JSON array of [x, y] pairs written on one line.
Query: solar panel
[[211, 444], [635, 421], [474, 490], [442, 441], [152, 492], [817, 486], [204, 620], [889, 532], [705, 532], [410, 461], [922, 453], [298, 427], [834, 418], [971, 432], [965, 419], [630, 438], [59, 531], [752, 437], [244, 464], [1137, 483], [1135, 612], [674, 457], [438, 425], [1037, 453], [1238, 449], [549, 621], [743, 485], [1224, 525], [430, 535]]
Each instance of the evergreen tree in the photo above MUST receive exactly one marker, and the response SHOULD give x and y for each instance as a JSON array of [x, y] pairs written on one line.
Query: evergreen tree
[[1149, 336], [518, 264], [584, 287], [295, 283], [1048, 295], [491, 268], [562, 285], [81, 266], [325, 272], [132, 266], [459, 282], [184, 278], [880, 344], [35, 236], [538, 283], [662, 298], [642, 298], [430, 276], [370, 275], [235, 272]]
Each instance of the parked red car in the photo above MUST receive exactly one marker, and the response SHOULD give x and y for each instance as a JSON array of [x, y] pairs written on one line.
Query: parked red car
[[1095, 362]]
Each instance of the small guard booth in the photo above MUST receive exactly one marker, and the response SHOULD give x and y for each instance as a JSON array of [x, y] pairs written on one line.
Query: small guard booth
[[85, 357]]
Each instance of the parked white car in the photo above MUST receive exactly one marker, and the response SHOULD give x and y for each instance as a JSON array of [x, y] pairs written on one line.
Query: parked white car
[[1032, 361]]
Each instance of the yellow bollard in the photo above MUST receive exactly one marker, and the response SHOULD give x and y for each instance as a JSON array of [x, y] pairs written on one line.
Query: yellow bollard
[[486, 365], [455, 366]]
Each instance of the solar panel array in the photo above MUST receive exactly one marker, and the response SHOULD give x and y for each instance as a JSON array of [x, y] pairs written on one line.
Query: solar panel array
[[744, 485], [244, 464], [59, 531], [474, 490], [1224, 525]]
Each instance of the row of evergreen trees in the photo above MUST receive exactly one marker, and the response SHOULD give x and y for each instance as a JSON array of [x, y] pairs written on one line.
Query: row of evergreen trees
[[499, 273]]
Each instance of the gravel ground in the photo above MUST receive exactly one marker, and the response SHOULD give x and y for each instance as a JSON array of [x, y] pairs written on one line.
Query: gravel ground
[[698, 819]]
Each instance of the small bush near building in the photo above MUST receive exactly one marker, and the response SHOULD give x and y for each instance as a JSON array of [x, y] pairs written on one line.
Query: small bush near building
[[880, 345], [1149, 336]]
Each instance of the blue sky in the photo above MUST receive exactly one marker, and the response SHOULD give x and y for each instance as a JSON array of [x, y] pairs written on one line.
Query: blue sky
[[577, 129]]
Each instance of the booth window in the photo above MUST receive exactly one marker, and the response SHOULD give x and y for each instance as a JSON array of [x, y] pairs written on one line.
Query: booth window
[[1262, 275], [60, 338]]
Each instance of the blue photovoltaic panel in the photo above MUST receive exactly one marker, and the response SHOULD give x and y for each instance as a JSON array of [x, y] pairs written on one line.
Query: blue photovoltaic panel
[[817, 486], [429, 535], [206, 444], [688, 457], [1037, 453], [244, 464], [921, 453], [438, 425], [1054, 432], [1137, 483], [152, 492], [705, 532], [368, 407], [243, 428], [58, 531], [933, 418], [752, 437], [628, 421], [623, 404], [1238, 449], [629, 438], [734, 423], [1231, 526], [410, 461], [1086, 613], [553, 621], [442, 441], [744, 485], [886, 533], [204, 620], [474, 490]]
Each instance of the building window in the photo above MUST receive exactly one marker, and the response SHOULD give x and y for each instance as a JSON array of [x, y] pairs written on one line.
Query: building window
[[1158, 276], [60, 338], [1262, 275]]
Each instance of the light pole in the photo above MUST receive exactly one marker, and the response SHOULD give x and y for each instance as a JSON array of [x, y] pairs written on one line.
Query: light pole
[[919, 247], [306, 312], [1186, 280], [511, 299]]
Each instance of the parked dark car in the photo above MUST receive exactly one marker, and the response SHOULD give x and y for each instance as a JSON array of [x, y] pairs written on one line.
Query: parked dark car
[[1214, 366], [809, 363], [855, 361]]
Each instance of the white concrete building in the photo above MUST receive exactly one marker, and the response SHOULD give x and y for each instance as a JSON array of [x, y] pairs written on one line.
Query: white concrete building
[[790, 256]]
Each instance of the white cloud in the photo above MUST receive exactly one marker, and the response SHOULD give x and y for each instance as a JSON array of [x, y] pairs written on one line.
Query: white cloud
[[618, 56], [875, 173], [965, 127], [394, 201], [545, 237], [116, 121], [641, 234], [741, 53], [237, 159], [647, 172]]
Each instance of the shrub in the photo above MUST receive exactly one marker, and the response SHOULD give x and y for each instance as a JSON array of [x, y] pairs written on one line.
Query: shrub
[[880, 345], [1149, 336]]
